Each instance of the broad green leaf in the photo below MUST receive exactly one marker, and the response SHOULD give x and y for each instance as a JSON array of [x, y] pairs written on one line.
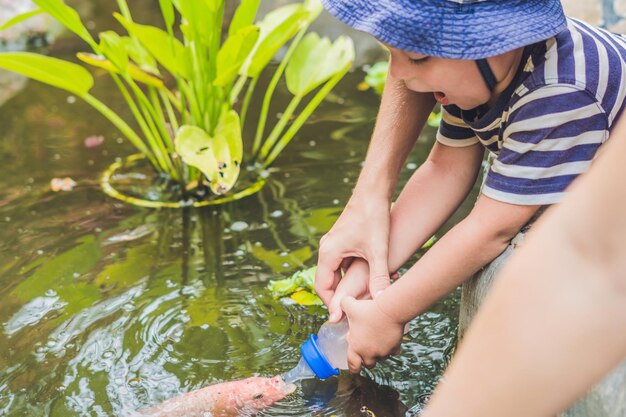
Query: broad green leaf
[[304, 278], [277, 28], [159, 45], [228, 148], [135, 72], [244, 15], [233, 54], [204, 18], [315, 61], [56, 72], [112, 48], [283, 287], [218, 157], [20, 18], [67, 17], [195, 147], [305, 298]]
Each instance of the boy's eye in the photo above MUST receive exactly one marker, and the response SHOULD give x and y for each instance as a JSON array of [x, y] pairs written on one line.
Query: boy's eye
[[418, 61]]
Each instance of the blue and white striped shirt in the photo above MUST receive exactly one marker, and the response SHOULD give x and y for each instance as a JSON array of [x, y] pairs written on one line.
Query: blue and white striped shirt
[[548, 124]]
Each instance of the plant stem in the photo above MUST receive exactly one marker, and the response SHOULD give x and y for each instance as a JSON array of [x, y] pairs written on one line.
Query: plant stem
[[246, 101], [161, 166], [304, 115], [269, 92], [280, 126], [234, 93], [123, 127], [123, 6]]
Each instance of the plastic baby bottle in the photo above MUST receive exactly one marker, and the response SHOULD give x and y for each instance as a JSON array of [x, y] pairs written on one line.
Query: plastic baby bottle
[[324, 354]]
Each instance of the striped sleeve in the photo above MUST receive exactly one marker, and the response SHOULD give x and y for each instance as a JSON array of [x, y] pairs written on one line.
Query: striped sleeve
[[551, 136], [453, 131]]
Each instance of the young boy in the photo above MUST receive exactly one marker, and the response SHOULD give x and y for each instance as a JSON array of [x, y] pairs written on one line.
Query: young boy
[[539, 91]]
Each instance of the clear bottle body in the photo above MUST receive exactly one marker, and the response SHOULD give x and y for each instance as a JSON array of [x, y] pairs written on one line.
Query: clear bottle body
[[331, 340], [332, 344]]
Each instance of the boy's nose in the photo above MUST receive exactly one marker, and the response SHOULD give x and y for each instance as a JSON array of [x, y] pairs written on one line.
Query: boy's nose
[[399, 68]]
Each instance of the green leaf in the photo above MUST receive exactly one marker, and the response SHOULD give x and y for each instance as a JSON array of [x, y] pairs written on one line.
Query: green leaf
[[140, 55], [233, 54], [113, 49], [305, 298], [135, 72], [20, 18], [56, 72], [194, 145], [159, 44], [434, 119], [377, 75], [218, 157], [67, 17], [203, 18], [315, 61], [283, 287], [244, 15], [228, 148], [277, 28]]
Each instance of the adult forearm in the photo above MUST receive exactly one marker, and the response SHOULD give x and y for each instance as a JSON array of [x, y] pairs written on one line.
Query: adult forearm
[[401, 117]]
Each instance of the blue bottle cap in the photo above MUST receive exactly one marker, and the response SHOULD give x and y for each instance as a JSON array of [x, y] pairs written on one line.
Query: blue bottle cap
[[316, 360]]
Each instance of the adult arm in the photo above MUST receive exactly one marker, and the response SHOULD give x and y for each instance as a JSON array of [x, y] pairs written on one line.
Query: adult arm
[[362, 229], [555, 321]]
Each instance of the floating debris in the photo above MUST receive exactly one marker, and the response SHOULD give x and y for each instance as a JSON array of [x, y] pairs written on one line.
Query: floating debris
[[128, 235], [93, 141], [238, 226], [62, 184]]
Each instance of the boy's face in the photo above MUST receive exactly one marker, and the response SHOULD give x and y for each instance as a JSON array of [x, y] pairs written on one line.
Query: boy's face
[[452, 81]]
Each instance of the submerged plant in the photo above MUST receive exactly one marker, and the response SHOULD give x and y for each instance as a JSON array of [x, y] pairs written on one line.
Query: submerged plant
[[192, 129]]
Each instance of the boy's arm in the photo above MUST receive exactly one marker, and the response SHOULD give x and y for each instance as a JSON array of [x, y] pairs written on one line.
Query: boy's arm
[[461, 252], [556, 316], [362, 230], [430, 197]]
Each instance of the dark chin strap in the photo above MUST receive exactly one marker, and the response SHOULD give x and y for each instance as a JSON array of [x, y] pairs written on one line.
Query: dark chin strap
[[487, 74]]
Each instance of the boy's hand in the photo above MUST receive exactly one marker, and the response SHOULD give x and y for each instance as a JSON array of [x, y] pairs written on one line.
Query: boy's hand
[[373, 334], [355, 283], [361, 231]]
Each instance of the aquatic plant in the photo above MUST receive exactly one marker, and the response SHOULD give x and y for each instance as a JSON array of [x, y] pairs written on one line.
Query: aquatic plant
[[192, 129]]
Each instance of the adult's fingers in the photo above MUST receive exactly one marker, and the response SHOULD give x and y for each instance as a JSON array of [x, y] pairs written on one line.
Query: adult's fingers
[[327, 276]]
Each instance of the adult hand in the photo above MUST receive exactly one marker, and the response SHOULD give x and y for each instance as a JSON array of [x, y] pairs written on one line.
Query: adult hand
[[373, 335], [362, 231]]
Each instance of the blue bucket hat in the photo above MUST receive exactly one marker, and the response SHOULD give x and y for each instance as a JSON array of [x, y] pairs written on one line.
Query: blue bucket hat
[[456, 29]]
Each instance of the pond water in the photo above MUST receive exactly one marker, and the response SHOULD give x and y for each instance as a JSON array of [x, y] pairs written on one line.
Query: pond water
[[106, 308]]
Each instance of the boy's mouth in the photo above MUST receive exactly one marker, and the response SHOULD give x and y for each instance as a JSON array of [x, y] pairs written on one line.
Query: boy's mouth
[[441, 98]]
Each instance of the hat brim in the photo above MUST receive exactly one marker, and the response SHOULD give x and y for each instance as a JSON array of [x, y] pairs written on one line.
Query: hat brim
[[448, 29]]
